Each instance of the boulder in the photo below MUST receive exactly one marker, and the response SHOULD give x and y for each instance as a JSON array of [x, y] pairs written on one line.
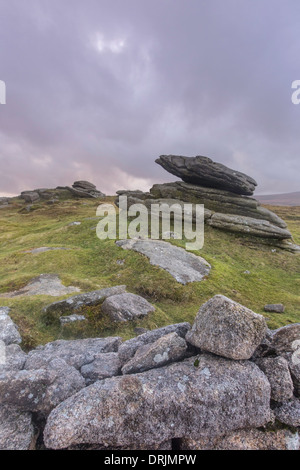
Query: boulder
[[76, 353], [124, 307], [215, 200], [14, 358], [16, 429], [71, 319], [169, 348], [226, 328], [30, 196], [103, 366], [277, 371], [9, 333], [248, 226], [85, 189], [77, 302], [40, 390], [285, 338], [201, 170], [294, 366], [171, 402], [289, 412], [185, 267], [247, 439], [128, 349], [274, 308]]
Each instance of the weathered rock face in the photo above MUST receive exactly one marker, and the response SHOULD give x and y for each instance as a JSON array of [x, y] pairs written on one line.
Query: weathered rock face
[[124, 307], [289, 412], [14, 358], [85, 189], [76, 302], [228, 329], [76, 353], [128, 349], [44, 284], [8, 331], [103, 366], [40, 390], [203, 171], [248, 226], [284, 339], [245, 439], [171, 402], [16, 429], [277, 371], [183, 266], [30, 196], [169, 348]]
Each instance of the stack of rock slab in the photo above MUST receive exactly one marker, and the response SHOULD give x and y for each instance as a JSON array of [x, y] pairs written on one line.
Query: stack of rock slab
[[225, 194]]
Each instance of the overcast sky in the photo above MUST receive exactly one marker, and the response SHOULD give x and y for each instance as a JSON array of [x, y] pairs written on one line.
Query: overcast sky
[[97, 89]]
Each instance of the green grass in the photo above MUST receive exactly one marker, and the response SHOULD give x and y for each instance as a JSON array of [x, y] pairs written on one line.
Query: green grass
[[92, 264]]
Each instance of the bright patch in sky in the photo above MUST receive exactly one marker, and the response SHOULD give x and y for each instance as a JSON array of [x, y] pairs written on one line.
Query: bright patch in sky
[[115, 46]]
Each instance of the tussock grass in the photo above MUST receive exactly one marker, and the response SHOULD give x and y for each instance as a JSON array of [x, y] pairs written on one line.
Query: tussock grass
[[93, 264]]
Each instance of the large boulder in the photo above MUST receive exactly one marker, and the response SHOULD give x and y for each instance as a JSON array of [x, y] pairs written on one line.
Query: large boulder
[[174, 401], [185, 267], [204, 171], [227, 328], [169, 348], [216, 200], [124, 307], [85, 189]]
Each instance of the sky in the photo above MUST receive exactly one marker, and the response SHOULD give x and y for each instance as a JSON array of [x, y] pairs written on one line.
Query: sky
[[97, 89]]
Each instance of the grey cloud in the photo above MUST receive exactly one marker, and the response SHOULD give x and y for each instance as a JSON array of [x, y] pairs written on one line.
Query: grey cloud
[[211, 78]]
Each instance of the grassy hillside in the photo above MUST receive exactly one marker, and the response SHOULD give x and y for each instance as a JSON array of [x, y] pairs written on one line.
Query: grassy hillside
[[92, 264]]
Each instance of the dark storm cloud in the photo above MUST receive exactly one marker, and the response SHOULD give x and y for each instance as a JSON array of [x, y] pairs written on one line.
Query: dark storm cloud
[[98, 89]]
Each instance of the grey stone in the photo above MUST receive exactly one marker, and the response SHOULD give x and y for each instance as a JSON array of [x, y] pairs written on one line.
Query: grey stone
[[265, 348], [43, 249], [76, 353], [84, 189], [203, 171], [247, 439], [16, 429], [275, 308], [167, 349], [284, 338], [294, 366], [227, 328], [277, 371], [289, 412], [215, 200], [170, 402], [71, 319], [8, 330], [124, 307], [76, 302], [84, 185], [183, 266], [128, 349], [30, 196], [40, 390], [74, 224], [248, 226], [14, 358], [45, 284], [103, 366]]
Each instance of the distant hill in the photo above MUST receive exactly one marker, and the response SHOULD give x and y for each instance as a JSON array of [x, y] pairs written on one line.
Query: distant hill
[[287, 199]]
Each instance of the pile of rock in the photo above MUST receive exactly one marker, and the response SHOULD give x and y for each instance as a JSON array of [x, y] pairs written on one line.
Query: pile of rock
[[224, 383], [85, 189], [225, 194]]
